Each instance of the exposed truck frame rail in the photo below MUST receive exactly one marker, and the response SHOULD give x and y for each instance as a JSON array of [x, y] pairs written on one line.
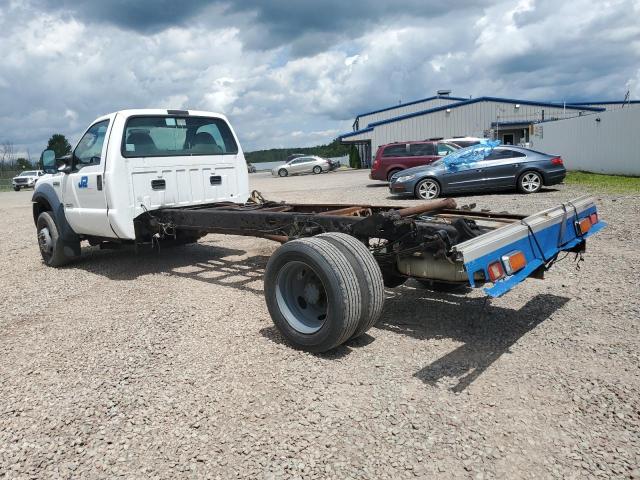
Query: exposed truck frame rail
[[435, 242]]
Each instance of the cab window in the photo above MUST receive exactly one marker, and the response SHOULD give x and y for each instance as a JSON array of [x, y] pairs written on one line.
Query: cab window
[[89, 149], [169, 136]]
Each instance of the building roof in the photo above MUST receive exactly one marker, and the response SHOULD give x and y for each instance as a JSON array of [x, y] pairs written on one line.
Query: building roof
[[451, 106], [610, 102], [446, 97]]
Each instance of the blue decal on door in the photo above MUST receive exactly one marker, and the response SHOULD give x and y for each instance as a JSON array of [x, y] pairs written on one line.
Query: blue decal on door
[[84, 182]]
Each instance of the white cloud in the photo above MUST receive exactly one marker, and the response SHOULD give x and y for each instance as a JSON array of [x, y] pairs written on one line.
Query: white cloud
[[281, 86]]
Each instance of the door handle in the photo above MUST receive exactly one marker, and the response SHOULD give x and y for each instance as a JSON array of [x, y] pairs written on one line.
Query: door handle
[[158, 184], [99, 182], [215, 180]]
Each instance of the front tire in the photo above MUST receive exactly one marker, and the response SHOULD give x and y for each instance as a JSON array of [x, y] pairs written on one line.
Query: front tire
[[312, 294], [317, 169], [427, 189], [530, 182], [282, 172], [16, 189], [52, 248]]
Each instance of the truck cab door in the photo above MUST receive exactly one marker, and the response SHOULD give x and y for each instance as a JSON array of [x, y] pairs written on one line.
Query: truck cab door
[[84, 199]]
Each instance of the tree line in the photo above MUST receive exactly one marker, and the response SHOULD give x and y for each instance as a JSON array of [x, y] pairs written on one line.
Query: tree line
[[11, 161], [333, 149]]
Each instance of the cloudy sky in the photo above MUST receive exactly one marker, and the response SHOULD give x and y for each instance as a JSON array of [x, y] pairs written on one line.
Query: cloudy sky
[[295, 73]]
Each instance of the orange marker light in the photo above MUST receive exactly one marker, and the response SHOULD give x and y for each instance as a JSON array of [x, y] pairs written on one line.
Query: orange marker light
[[584, 225], [496, 272], [514, 262]]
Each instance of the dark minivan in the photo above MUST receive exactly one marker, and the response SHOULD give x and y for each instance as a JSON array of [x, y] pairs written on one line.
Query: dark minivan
[[394, 157]]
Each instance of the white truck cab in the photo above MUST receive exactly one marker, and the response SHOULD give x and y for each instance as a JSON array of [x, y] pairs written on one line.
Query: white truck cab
[[133, 161]]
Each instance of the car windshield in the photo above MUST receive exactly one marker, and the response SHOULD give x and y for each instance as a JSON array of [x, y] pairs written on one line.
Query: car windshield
[[28, 174]]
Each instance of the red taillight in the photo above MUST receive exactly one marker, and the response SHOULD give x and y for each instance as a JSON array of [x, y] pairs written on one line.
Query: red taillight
[[556, 161], [496, 272], [376, 163], [594, 218]]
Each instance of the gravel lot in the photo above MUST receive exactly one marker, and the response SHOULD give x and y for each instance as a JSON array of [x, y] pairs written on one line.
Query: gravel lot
[[167, 365]]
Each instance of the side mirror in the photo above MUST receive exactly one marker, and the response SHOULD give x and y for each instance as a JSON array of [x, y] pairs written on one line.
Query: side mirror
[[49, 161]]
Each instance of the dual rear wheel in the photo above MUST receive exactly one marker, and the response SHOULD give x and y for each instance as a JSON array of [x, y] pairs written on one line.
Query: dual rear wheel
[[324, 290]]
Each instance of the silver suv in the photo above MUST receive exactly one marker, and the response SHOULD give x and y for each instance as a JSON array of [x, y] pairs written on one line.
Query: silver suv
[[26, 179]]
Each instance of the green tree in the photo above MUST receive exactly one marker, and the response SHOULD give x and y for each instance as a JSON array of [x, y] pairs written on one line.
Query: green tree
[[23, 164], [59, 144]]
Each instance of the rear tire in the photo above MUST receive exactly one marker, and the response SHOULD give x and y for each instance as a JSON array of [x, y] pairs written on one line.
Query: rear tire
[[317, 169], [530, 182], [369, 278], [52, 248], [312, 294], [282, 172]]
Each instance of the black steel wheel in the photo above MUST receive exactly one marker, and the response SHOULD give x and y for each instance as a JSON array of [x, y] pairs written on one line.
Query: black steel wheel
[[51, 247], [312, 294]]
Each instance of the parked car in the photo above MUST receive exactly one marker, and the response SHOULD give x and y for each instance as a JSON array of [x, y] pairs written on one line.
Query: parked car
[[502, 168], [295, 155], [333, 164], [394, 157], [251, 168], [26, 179], [308, 164], [464, 142]]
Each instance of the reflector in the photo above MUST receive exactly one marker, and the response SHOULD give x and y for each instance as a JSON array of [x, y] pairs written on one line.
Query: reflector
[[514, 262], [584, 225]]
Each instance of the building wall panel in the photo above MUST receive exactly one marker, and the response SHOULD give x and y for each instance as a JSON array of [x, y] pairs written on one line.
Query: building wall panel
[[611, 145]]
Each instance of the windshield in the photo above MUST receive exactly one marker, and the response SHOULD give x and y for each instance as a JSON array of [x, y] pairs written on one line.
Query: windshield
[[28, 174], [168, 136]]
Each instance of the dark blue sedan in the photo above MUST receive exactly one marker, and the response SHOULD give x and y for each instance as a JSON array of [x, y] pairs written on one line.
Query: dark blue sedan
[[481, 168]]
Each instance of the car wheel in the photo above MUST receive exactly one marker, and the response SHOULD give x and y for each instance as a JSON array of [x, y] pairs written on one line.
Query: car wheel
[[312, 294], [51, 248], [427, 189], [392, 173], [16, 189], [317, 169], [530, 182], [283, 172]]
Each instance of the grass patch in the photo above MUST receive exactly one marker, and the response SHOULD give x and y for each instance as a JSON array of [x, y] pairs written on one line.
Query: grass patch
[[604, 183]]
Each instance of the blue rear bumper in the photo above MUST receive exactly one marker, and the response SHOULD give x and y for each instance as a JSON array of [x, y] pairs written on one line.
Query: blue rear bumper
[[539, 248]]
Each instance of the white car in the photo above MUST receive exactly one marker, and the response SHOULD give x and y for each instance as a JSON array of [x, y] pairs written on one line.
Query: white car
[[308, 164], [26, 179]]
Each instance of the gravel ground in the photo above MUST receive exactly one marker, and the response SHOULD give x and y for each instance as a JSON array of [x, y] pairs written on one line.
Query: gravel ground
[[167, 365]]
